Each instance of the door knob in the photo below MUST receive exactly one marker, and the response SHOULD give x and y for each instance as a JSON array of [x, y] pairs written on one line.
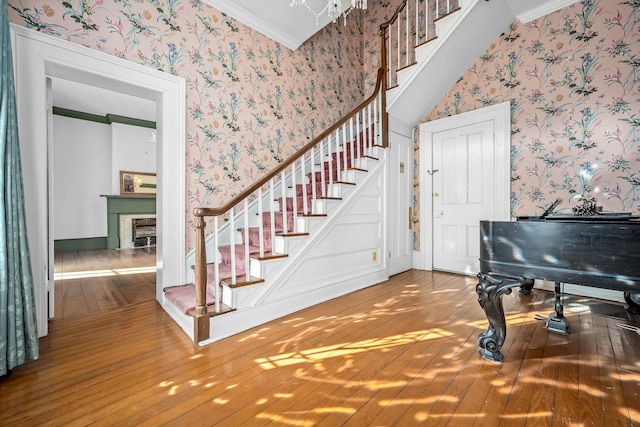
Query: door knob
[[436, 194]]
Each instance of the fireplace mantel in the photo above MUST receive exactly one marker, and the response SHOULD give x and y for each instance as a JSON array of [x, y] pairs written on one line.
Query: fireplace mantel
[[124, 205]]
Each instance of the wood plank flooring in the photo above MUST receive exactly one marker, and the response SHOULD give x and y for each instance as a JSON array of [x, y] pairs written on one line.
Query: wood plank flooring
[[400, 353], [93, 281]]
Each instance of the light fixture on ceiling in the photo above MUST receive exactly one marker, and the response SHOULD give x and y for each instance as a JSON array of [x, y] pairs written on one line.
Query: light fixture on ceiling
[[333, 8]]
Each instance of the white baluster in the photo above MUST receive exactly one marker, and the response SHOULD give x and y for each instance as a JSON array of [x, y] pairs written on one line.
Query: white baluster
[[272, 215], [216, 268], [283, 188], [303, 183], [232, 235], [295, 195], [246, 239]]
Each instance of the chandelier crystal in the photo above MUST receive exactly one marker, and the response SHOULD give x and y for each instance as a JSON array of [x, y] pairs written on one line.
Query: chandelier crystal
[[333, 8]]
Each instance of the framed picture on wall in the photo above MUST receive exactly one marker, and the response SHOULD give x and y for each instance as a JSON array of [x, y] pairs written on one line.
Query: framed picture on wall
[[140, 183]]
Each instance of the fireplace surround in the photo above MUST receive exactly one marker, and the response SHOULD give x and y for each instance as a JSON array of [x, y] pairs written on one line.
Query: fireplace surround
[[121, 210]]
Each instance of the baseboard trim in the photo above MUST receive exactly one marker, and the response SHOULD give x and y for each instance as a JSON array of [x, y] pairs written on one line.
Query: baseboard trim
[[86, 244], [582, 291], [417, 261]]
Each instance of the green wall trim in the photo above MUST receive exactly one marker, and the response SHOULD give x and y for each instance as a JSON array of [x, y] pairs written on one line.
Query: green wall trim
[[106, 119], [72, 245]]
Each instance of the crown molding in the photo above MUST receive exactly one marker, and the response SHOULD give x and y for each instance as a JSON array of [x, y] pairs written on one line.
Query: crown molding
[[249, 18], [106, 119]]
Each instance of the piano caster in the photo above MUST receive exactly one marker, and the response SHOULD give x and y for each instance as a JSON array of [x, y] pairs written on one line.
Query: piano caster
[[633, 300], [557, 324], [527, 285]]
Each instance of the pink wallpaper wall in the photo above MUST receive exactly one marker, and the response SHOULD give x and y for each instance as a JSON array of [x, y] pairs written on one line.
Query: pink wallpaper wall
[[573, 80], [250, 101]]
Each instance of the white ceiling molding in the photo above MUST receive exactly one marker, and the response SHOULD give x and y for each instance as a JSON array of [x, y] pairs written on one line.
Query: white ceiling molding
[[278, 20], [545, 8]]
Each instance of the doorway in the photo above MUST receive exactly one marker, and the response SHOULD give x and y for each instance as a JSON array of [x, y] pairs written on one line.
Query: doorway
[[465, 177], [39, 57], [95, 134]]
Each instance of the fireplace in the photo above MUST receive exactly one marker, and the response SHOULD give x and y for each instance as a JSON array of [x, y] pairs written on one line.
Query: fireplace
[[121, 210], [137, 230], [143, 231]]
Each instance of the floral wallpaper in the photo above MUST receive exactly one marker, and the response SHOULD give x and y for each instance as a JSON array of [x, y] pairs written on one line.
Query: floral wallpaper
[[250, 101], [573, 81]]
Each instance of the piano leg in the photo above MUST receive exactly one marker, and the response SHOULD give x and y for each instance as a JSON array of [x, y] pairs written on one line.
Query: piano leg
[[556, 322], [490, 290]]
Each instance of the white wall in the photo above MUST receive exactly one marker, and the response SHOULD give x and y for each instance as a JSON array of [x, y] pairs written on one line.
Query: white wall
[[87, 161], [81, 172], [132, 150]]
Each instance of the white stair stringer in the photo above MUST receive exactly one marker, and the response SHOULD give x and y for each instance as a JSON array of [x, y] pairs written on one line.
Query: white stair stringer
[[335, 259], [462, 37]]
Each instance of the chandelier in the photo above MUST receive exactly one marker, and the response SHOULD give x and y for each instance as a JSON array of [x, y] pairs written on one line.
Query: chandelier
[[333, 8]]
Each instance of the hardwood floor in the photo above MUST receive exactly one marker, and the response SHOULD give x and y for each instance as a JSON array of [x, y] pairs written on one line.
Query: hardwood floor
[[400, 353], [93, 281]]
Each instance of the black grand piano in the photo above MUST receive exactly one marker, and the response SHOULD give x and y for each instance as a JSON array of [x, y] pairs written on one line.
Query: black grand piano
[[600, 251]]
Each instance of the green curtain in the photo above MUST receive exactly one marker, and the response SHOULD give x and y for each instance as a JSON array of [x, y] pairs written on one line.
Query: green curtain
[[18, 327]]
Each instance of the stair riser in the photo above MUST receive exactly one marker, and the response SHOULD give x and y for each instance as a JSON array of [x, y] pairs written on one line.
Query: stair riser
[[308, 224], [263, 269], [446, 23], [288, 245], [239, 297]]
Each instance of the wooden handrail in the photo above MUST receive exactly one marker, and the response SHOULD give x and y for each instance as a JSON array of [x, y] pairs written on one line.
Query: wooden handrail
[[202, 212], [385, 25]]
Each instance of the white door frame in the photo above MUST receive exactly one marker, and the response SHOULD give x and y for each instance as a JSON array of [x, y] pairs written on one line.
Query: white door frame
[[501, 115], [38, 56], [398, 129]]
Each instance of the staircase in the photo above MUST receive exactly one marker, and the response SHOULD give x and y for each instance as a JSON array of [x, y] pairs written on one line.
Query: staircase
[[310, 231], [315, 228]]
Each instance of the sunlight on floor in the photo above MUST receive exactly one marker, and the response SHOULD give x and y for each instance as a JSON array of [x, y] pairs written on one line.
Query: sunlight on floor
[[346, 349], [103, 273]]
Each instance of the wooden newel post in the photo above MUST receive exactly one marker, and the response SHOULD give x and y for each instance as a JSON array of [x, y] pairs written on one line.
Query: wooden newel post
[[201, 318], [200, 268]]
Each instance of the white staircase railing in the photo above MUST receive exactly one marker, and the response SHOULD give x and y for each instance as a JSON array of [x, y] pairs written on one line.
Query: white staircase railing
[[413, 24]]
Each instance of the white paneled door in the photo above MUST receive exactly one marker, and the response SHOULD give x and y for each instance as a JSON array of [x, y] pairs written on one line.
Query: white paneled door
[[462, 194], [464, 179]]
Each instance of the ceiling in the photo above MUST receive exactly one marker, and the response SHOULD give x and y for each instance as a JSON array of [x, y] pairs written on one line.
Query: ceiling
[[277, 19], [94, 100]]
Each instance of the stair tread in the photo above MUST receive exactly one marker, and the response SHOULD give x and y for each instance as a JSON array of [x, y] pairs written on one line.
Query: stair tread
[[268, 256], [241, 281], [406, 67], [291, 234], [426, 41], [344, 182], [311, 215], [211, 310]]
